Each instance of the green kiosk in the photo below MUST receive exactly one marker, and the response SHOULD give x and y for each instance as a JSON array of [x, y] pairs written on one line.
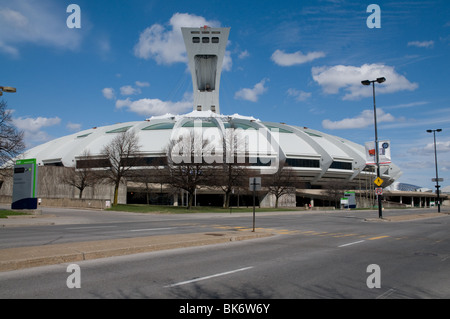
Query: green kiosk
[[24, 185]]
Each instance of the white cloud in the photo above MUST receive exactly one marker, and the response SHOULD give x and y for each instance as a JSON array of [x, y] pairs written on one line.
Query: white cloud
[[421, 44], [32, 127], [244, 54], [289, 59], [73, 126], [149, 107], [37, 22], [364, 119], [441, 147], [253, 94], [299, 95], [35, 124], [334, 78], [166, 45], [142, 84], [108, 93], [227, 61], [129, 90]]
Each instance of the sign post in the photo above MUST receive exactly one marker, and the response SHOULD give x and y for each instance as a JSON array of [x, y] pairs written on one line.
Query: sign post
[[255, 185]]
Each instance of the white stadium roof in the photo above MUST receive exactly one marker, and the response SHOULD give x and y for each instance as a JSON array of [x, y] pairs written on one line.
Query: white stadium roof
[[311, 153]]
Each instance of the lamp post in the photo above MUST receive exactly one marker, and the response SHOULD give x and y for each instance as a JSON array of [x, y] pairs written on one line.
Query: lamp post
[[435, 163], [377, 155], [7, 89]]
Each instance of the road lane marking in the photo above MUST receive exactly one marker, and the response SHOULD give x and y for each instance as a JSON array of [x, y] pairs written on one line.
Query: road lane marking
[[90, 227], [207, 277], [379, 237], [356, 242], [386, 294], [151, 229]]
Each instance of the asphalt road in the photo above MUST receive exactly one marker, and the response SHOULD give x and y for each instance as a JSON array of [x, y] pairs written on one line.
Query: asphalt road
[[312, 255]]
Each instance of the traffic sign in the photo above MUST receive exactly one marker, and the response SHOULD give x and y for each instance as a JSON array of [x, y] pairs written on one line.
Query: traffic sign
[[379, 191], [254, 184], [437, 179], [378, 181]]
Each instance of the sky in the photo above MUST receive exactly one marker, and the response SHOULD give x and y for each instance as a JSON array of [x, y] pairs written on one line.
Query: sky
[[297, 62]]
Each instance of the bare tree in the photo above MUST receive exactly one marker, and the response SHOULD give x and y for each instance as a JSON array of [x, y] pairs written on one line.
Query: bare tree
[[186, 168], [123, 154], [235, 171], [11, 139], [80, 177], [281, 183], [335, 190]]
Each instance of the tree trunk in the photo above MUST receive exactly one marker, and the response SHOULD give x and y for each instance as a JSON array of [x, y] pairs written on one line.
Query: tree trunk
[[191, 197], [226, 203], [116, 193]]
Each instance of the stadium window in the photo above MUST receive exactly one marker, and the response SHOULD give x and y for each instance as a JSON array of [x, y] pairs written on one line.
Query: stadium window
[[59, 164], [215, 39], [341, 165], [302, 162], [203, 123], [119, 130], [258, 161], [205, 40], [93, 163], [84, 135], [146, 161], [159, 126], [279, 129], [312, 134], [195, 40]]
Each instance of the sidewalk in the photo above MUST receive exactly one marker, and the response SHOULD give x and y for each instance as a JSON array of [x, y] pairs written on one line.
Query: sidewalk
[[34, 256], [409, 217]]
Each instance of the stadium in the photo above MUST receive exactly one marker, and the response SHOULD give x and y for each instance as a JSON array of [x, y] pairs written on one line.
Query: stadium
[[319, 163]]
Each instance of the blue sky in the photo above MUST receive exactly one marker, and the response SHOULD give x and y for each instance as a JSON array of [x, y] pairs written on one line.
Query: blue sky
[[298, 62]]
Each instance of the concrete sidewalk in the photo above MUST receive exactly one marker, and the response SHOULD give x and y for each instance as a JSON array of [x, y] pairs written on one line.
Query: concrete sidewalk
[[408, 217], [34, 256]]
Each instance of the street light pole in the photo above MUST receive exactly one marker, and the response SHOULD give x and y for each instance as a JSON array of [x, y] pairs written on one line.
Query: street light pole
[[377, 156], [435, 163]]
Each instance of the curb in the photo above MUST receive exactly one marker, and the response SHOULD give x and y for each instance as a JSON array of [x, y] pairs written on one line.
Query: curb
[[35, 256], [401, 218]]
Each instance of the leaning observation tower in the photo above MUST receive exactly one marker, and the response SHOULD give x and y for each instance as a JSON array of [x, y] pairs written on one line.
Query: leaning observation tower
[[205, 49]]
